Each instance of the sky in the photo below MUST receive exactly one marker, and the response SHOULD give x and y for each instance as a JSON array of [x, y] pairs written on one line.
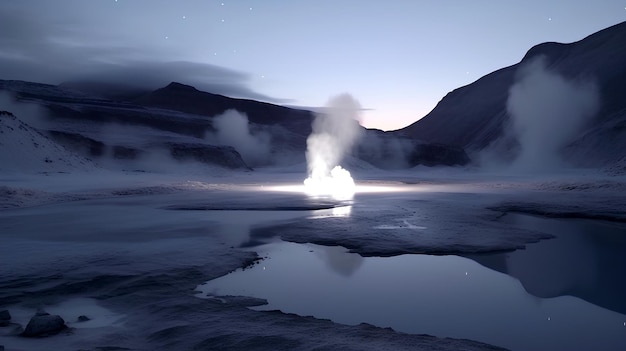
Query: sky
[[398, 58]]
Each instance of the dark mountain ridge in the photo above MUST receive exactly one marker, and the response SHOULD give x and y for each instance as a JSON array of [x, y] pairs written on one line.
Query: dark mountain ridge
[[180, 119], [474, 116], [185, 98]]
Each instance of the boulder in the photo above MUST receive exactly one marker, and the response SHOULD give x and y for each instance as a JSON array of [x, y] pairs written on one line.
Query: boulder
[[44, 325], [5, 318], [82, 318]]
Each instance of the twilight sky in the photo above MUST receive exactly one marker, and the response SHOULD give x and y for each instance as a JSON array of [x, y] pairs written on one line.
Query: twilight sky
[[397, 57]]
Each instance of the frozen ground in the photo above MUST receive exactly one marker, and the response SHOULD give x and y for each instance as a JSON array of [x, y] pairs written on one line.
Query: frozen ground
[[128, 249]]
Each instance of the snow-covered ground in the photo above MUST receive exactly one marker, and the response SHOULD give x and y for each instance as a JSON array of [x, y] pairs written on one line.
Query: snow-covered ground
[[128, 249]]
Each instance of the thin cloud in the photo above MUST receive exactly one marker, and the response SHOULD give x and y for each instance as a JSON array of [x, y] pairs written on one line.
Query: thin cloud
[[40, 49]]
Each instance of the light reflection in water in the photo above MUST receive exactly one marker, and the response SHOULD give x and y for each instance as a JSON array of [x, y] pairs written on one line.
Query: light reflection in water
[[447, 296], [340, 211]]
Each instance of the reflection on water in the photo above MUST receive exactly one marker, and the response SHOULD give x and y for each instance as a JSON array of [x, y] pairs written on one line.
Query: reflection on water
[[587, 259], [451, 296], [340, 261]]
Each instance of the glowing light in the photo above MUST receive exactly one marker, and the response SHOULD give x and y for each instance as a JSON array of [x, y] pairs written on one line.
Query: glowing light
[[343, 211], [338, 184], [371, 188]]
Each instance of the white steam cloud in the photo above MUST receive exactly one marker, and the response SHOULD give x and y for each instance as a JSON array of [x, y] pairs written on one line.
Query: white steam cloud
[[232, 129], [334, 134], [547, 112]]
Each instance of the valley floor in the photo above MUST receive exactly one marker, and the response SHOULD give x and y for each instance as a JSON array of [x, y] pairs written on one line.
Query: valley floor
[[129, 249]]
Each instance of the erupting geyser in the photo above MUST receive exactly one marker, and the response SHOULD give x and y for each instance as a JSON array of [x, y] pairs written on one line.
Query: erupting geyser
[[334, 133]]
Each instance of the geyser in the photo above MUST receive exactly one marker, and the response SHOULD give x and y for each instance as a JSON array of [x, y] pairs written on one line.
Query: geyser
[[334, 132]]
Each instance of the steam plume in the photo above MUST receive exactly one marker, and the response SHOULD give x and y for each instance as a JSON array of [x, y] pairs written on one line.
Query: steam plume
[[233, 129], [547, 112], [334, 133]]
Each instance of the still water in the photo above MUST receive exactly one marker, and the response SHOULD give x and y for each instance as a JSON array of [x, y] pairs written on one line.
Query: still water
[[567, 293]]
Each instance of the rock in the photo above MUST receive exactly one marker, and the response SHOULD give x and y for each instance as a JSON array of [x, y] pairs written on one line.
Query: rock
[[83, 318], [44, 325], [438, 154], [5, 318], [225, 156]]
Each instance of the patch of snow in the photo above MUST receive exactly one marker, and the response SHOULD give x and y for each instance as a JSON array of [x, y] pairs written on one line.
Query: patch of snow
[[23, 149]]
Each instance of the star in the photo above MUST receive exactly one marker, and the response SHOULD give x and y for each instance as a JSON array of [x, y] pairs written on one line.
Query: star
[[184, 17], [549, 18]]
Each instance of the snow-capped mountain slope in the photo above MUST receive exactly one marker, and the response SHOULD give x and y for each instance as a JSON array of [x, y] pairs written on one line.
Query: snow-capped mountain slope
[[24, 149]]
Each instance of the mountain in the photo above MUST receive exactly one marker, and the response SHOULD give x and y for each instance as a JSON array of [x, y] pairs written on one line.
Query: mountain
[[103, 122], [24, 149], [185, 98], [73, 125], [474, 116]]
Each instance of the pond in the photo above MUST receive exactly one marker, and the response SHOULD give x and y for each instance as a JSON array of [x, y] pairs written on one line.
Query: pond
[[560, 294]]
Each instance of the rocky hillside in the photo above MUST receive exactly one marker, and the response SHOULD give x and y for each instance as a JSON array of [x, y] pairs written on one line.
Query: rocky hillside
[[474, 116], [24, 149], [185, 98], [185, 123]]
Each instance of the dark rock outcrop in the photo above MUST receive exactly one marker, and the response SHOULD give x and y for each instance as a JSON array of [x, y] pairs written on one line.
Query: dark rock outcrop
[[82, 318], [438, 155], [43, 324], [125, 153], [5, 318], [225, 156], [387, 150], [80, 143]]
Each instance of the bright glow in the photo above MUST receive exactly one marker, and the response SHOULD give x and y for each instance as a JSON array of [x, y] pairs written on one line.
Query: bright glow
[[341, 211], [333, 134], [358, 188], [338, 184]]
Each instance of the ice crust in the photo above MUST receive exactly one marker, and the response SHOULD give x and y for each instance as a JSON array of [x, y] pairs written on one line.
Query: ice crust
[[132, 242]]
